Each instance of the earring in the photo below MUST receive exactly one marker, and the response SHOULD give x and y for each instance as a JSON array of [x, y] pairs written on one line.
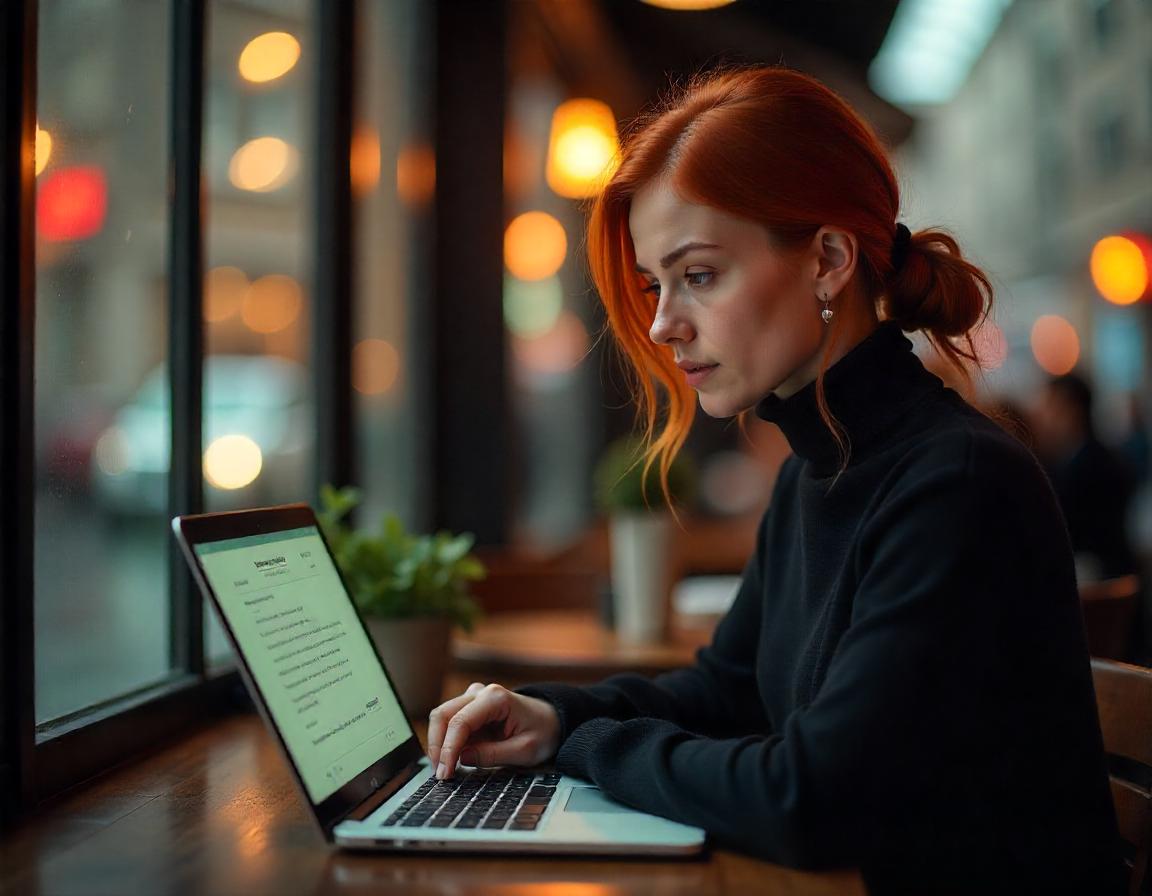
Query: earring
[[827, 312]]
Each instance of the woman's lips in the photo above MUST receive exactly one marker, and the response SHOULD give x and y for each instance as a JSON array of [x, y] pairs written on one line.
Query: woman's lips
[[697, 376]]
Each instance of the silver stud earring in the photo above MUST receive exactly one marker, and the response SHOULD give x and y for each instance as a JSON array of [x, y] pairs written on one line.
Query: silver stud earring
[[826, 313]]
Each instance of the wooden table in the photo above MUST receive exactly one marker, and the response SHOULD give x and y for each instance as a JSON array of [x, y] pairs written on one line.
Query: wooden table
[[567, 645], [217, 814]]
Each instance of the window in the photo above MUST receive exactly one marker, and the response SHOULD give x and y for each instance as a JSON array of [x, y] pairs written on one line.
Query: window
[[1050, 69], [101, 486], [125, 343], [1105, 22], [1109, 140], [1052, 172], [393, 183], [259, 175]]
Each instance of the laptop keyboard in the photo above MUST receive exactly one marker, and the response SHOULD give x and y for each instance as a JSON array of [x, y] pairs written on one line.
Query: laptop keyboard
[[484, 799]]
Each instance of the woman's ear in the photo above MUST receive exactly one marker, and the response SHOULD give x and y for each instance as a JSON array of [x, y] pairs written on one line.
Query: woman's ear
[[835, 251]]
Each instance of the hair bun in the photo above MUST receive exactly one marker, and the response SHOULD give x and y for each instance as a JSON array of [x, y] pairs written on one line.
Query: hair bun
[[936, 289]]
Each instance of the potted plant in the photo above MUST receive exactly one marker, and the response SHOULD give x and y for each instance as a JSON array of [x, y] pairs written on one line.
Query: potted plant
[[410, 589], [640, 535]]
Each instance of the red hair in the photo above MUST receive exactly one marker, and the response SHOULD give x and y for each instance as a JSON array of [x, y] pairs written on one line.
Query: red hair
[[779, 148]]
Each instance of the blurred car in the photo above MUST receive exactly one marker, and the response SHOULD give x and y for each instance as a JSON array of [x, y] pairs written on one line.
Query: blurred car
[[257, 439]]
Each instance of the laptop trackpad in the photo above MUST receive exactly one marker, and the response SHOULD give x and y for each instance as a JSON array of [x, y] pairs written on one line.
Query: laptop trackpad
[[591, 799]]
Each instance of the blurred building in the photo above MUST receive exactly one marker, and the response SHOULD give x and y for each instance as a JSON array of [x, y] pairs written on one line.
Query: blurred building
[[1044, 150]]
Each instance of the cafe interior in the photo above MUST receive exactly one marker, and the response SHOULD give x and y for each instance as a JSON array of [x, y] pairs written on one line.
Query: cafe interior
[[261, 252]]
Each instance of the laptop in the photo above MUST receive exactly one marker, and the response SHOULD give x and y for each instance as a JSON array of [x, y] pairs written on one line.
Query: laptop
[[315, 675]]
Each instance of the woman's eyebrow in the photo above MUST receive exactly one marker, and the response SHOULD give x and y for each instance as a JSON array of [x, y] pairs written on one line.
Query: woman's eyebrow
[[676, 254]]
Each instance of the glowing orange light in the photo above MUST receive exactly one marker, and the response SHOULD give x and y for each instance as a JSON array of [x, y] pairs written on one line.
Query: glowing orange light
[[43, 149], [71, 204], [262, 165], [583, 148], [416, 175], [272, 303], [375, 366], [520, 165], [991, 346], [1055, 344], [1120, 268], [224, 289], [557, 351], [534, 246], [365, 161], [269, 56], [688, 4]]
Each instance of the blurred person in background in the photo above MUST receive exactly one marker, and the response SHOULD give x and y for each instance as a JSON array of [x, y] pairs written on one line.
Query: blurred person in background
[[1093, 483], [902, 684]]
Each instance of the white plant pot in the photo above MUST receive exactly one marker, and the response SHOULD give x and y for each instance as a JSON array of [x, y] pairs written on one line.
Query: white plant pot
[[640, 545], [416, 653]]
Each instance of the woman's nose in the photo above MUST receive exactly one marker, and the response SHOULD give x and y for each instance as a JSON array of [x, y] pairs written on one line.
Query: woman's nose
[[669, 324]]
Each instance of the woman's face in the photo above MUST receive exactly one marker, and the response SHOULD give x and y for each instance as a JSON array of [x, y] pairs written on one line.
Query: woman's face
[[723, 297]]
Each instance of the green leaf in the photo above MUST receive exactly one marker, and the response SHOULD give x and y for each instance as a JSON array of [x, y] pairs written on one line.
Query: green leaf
[[392, 573]]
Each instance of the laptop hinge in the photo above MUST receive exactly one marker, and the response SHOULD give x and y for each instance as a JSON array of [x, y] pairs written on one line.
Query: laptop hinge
[[377, 798]]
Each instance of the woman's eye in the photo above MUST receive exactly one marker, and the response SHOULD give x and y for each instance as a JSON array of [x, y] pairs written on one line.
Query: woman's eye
[[693, 277], [653, 287]]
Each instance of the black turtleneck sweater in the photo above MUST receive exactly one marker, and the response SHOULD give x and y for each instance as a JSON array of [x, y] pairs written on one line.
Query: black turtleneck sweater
[[902, 684]]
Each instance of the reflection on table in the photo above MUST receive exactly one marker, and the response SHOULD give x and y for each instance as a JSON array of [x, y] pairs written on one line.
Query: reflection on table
[[218, 813], [567, 645]]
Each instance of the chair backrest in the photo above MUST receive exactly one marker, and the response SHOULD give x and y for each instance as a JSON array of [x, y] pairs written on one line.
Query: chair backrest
[[1124, 700], [1109, 609]]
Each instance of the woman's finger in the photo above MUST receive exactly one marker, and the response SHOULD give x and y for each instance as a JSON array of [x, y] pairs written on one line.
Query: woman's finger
[[439, 717], [489, 705]]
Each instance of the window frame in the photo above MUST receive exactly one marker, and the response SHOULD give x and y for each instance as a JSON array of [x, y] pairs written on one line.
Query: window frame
[[18, 29]]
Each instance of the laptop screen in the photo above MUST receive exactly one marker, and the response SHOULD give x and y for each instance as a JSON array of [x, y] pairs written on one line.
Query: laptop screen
[[310, 657]]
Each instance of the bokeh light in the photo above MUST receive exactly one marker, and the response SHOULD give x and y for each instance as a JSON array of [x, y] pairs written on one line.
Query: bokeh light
[[71, 203], [269, 57], [1055, 344], [416, 175], [1119, 266], [558, 351], [531, 307], [111, 451], [365, 161], [375, 366], [521, 167], [272, 303], [534, 246], [43, 149], [583, 148], [224, 290], [232, 462], [262, 165], [688, 4]]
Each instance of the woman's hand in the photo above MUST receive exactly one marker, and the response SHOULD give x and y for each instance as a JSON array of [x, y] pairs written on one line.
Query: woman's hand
[[491, 725]]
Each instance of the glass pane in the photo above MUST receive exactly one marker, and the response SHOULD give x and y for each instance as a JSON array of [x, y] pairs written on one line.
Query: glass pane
[[550, 319], [258, 431], [393, 180], [101, 340]]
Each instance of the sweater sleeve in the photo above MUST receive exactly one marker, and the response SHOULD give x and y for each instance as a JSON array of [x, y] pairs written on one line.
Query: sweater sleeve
[[716, 696], [908, 720]]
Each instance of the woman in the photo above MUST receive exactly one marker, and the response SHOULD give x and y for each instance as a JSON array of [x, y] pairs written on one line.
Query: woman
[[902, 684]]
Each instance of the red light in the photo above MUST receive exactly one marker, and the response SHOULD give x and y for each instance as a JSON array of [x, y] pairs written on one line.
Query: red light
[[71, 204]]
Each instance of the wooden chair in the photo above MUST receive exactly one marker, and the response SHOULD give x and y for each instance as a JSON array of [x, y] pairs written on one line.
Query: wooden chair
[[1124, 699], [1109, 609]]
